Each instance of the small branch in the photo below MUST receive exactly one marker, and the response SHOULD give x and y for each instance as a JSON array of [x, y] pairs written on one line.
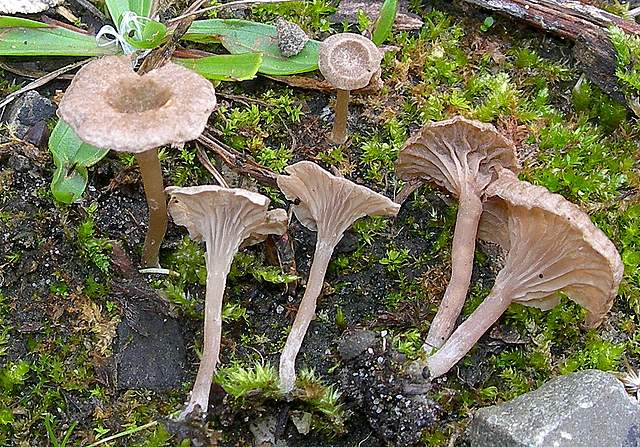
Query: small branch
[[237, 161], [42, 81], [204, 159]]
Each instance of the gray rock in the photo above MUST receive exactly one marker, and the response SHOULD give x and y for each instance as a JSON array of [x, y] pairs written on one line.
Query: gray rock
[[291, 38], [352, 345], [29, 110], [151, 353], [583, 409]]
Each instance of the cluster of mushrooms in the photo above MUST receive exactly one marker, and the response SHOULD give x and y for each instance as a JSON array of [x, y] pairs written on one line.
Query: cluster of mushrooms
[[552, 247]]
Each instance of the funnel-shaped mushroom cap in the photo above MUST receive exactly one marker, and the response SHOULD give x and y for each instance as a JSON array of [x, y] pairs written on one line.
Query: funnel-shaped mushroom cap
[[553, 247], [348, 61], [26, 6], [329, 204], [230, 216], [454, 152], [109, 105]]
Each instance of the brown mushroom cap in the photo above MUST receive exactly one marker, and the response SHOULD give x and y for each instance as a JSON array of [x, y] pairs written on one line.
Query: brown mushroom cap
[[109, 105], [348, 61], [26, 6], [329, 204], [553, 247], [449, 153], [196, 207]]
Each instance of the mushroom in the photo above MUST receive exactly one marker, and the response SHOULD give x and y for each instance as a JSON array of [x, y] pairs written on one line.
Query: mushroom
[[553, 247], [225, 219], [108, 105], [329, 205], [460, 156], [348, 62]]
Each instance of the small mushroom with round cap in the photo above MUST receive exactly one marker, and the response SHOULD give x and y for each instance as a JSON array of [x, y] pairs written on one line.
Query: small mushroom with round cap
[[329, 205], [225, 219], [109, 105], [348, 62], [460, 156], [553, 247]]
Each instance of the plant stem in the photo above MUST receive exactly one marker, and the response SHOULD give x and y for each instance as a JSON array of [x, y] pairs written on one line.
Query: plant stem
[[339, 133], [470, 331], [463, 248], [306, 312], [217, 270], [156, 200]]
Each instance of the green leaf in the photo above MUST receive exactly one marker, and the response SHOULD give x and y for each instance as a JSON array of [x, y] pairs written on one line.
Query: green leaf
[[22, 37], [142, 7], [116, 8], [72, 157], [225, 67], [153, 34], [18, 22], [242, 36], [383, 25]]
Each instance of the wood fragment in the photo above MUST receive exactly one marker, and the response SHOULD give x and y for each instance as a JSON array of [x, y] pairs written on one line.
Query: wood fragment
[[582, 23]]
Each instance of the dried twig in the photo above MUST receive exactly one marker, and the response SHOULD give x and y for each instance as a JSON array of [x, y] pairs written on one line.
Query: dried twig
[[42, 81], [237, 161], [86, 4], [204, 159]]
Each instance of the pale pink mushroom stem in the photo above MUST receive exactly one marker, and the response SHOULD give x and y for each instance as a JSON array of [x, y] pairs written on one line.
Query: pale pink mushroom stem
[[217, 271], [470, 331], [339, 133], [305, 314], [462, 253]]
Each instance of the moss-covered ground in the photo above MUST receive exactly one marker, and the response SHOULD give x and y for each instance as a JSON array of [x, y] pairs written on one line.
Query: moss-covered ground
[[58, 314]]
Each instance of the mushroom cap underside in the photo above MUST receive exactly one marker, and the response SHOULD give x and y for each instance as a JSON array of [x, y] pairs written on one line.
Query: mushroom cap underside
[[348, 61], [327, 203], [456, 153], [110, 106], [553, 247], [232, 214]]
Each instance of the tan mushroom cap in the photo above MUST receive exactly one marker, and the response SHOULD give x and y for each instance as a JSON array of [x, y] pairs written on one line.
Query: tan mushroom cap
[[348, 61], [449, 152], [110, 106], [553, 247], [210, 210], [26, 6], [329, 204]]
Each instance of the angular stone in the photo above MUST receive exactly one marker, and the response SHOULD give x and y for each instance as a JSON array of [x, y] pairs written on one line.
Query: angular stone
[[28, 110], [352, 345], [151, 352], [584, 409]]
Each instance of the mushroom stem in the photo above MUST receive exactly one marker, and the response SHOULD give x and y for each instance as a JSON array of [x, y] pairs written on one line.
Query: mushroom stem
[[306, 312], [339, 133], [470, 331], [151, 172], [217, 270], [462, 252]]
